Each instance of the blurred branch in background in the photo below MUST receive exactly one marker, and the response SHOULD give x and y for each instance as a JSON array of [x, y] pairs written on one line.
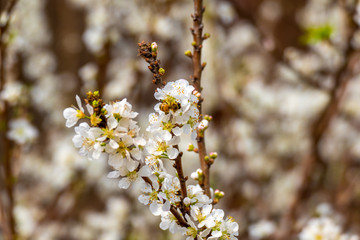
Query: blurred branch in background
[[7, 177]]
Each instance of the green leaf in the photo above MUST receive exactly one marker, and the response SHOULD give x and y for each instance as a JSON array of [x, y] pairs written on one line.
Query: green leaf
[[317, 34]]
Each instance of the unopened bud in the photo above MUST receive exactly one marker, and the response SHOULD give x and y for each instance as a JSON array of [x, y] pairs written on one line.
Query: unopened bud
[[95, 103], [203, 65], [219, 194], [161, 71], [206, 158], [190, 147], [204, 124], [213, 155], [208, 117], [188, 53], [193, 43], [197, 93], [187, 201], [154, 47], [206, 35]]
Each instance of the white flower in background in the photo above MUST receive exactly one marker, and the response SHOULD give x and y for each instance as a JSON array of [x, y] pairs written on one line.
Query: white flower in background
[[320, 228], [349, 237], [262, 229], [12, 92], [21, 131], [324, 209], [88, 75], [72, 114], [94, 38]]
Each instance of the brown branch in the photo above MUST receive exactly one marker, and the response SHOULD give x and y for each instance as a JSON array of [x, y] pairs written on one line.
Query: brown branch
[[103, 61], [180, 219], [320, 127], [198, 38], [179, 170], [173, 210], [150, 55], [6, 163]]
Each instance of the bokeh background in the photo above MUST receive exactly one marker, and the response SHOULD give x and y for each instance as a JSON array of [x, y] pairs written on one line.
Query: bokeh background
[[281, 83]]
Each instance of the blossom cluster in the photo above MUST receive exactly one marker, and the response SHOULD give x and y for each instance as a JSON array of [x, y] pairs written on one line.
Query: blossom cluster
[[325, 226], [114, 135]]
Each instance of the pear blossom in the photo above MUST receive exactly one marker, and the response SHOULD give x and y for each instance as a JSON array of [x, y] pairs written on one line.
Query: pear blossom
[[169, 221], [130, 177], [86, 139], [72, 114], [151, 195], [162, 145], [203, 216]]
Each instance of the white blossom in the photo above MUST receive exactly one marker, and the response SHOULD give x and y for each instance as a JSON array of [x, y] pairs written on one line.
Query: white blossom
[[21, 131]]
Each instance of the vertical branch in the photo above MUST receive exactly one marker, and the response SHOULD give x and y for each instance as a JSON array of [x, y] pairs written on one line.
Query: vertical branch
[[5, 163], [102, 63], [182, 178], [198, 38]]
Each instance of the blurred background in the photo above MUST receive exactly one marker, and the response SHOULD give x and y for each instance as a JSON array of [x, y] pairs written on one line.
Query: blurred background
[[281, 83]]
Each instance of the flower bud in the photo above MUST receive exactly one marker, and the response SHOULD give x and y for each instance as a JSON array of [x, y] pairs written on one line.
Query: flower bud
[[204, 124], [190, 147], [188, 53], [161, 71], [219, 194], [154, 47], [213, 155], [197, 94], [193, 43], [197, 175], [187, 201], [206, 35], [208, 117]]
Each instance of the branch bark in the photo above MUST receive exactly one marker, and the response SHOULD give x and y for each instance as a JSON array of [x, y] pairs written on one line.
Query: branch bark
[[198, 38], [6, 163]]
